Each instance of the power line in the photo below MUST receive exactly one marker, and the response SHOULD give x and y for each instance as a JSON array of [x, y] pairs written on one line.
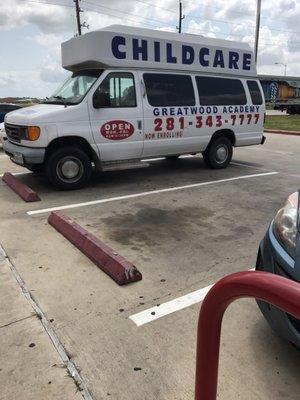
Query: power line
[[219, 8], [230, 36], [162, 22], [48, 3], [146, 18], [159, 21], [155, 6], [152, 25], [240, 24], [122, 17], [123, 12]]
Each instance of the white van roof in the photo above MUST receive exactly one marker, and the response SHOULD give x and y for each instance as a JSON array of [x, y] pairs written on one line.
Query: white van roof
[[123, 47]]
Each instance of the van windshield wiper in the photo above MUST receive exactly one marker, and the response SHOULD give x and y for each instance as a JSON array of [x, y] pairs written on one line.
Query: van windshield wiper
[[57, 100], [62, 99]]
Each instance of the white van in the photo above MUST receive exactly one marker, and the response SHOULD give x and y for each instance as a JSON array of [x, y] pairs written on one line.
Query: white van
[[139, 93]]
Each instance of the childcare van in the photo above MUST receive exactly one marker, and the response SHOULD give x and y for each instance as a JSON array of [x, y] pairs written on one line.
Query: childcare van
[[138, 94]]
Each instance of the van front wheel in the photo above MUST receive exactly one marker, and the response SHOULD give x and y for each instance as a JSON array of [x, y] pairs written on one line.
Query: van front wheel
[[68, 168], [218, 153]]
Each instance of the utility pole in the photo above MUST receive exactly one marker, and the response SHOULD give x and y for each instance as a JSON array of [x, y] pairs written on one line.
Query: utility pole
[[78, 11], [257, 29], [181, 17], [284, 65]]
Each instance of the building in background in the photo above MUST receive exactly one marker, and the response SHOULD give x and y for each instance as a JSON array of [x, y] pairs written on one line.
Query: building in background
[[283, 92]]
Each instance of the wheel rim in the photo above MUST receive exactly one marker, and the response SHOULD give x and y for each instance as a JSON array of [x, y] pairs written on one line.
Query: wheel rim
[[221, 154], [69, 169]]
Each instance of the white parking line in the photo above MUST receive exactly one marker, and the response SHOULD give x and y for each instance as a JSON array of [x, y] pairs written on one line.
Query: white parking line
[[284, 153], [142, 194], [241, 164], [170, 307]]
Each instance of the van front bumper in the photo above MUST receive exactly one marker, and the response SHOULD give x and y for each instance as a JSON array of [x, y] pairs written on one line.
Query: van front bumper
[[273, 258], [22, 155]]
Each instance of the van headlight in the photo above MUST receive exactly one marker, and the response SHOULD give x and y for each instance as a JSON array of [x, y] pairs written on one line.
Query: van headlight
[[286, 223], [33, 132]]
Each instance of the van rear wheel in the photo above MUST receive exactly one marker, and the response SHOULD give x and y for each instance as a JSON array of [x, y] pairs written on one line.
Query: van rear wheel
[[218, 153], [68, 168]]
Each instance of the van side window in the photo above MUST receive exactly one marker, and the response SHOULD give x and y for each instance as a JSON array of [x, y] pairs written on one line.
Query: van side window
[[169, 90], [220, 91], [255, 93], [118, 90]]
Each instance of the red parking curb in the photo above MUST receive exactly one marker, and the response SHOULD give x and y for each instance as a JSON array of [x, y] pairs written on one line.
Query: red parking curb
[[113, 264], [24, 191], [292, 133]]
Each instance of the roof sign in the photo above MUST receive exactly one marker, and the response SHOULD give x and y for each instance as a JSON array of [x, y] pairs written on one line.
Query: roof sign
[[118, 46]]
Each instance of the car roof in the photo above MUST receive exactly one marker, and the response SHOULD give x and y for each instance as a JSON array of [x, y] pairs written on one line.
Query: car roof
[[10, 104]]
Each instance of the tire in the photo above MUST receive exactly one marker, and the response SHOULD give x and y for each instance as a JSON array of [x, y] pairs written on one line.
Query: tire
[[172, 158], [291, 111], [218, 153], [68, 168]]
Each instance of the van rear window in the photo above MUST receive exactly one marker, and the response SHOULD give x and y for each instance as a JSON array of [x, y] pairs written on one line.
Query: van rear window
[[169, 90], [255, 93], [220, 91]]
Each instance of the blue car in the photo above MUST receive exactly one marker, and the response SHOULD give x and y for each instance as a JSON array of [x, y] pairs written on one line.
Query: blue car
[[279, 253], [6, 108]]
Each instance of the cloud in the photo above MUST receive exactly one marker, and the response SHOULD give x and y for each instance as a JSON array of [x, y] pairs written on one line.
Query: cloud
[[205, 28], [53, 74], [48, 18], [7, 80], [23, 84], [51, 70]]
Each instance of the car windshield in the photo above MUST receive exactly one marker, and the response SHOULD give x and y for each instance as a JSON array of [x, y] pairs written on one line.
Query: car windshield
[[73, 90]]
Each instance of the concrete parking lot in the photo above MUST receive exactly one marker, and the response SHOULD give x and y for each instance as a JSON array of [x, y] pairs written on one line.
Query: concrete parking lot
[[209, 224]]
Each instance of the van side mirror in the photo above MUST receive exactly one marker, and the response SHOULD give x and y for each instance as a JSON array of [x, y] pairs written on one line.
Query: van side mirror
[[101, 99]]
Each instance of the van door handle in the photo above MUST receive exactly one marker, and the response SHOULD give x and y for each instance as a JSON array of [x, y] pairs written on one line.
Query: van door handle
[[139, 125]]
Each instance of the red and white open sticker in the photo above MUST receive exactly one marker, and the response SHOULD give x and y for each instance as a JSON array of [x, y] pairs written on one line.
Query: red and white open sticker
[[117, 130]]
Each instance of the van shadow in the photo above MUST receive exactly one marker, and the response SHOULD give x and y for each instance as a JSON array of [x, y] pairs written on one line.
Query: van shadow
[[161, 173]]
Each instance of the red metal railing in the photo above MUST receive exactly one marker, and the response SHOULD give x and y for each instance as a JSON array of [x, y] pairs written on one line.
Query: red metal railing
[[281, 292]]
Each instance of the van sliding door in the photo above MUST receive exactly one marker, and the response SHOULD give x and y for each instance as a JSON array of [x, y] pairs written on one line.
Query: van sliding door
[[168, 103]]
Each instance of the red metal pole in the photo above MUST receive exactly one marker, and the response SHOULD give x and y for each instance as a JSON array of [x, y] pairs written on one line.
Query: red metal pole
[[281, 292]]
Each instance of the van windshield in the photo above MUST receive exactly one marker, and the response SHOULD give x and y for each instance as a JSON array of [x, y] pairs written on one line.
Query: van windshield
[[73, 90]]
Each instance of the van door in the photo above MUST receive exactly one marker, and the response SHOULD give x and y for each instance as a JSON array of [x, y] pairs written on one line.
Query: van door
[[116, 116], [169, 108]]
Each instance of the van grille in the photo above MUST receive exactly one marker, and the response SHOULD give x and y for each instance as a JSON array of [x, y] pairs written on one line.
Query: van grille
[[15, 132]]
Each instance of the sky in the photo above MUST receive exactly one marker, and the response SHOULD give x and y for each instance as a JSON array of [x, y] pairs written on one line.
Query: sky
[[31, 32]]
